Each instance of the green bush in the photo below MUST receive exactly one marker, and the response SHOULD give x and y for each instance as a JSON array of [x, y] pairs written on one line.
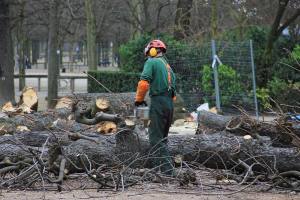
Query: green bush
[[114, 81], [296, 53], [284, 93], [287, 68], [276, 86], [280, 92], [263, 97], [229, 84]]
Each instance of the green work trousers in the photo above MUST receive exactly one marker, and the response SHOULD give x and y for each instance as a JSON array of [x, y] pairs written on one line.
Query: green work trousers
[[161, 114]]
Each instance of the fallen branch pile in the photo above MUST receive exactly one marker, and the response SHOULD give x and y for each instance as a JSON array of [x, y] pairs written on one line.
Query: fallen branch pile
[[76, 137]]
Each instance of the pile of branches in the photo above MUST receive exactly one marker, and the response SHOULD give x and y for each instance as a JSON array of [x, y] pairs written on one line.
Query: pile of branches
[[88, 138]]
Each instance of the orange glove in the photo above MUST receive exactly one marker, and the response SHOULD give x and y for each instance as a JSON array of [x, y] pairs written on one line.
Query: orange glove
[[142, 88], [174, 98]]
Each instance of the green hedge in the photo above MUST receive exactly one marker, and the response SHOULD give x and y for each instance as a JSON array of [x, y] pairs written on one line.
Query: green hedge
[[114, 81], [127, 82], [229, 82]]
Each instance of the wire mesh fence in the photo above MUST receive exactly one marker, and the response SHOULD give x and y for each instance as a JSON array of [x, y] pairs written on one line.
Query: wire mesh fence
[[217, 71]]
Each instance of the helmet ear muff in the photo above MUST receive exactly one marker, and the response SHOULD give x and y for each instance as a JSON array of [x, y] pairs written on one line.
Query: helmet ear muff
[[153, 52]]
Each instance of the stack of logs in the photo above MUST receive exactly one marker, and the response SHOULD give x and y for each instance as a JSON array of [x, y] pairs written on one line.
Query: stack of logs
[[58, 140]]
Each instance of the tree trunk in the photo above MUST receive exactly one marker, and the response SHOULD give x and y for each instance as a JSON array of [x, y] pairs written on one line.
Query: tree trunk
[[220, 150], [214, 19], [213, 121], [53, 59], [182, 19], [21, 43], [148, 19], [283, 133], [6, 56], [24, 55], [35, 51], [46, 55], [91, 35]]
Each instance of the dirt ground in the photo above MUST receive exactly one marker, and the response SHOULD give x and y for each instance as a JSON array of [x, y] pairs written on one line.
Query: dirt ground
[[80, 187], [139, 194]]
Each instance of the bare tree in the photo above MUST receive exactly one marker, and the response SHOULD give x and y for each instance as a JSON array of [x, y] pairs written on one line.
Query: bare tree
[[182, 19], [53, 59], [6, 56], [91, 35], [279, 25], [214, 18]]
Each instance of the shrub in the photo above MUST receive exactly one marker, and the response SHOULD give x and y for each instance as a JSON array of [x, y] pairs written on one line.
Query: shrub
[[229, 83], [263, 97], [276, 86], [114, 81], [288, 68], [284, 93], [296, 53]]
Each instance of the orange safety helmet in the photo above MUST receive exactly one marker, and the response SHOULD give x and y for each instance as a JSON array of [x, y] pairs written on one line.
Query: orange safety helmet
[[155, 44]]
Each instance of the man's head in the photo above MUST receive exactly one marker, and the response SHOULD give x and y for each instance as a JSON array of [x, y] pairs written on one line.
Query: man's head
[[154, 48]]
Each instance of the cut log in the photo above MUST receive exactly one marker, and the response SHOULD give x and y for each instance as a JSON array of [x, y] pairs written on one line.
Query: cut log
[[102, 104], [219, 150], [22, 129], [281, 132], [120, 103], [39, 121], [129, 123], [28, 100], [7, 128], [106, 127], [9, 108], [212, 120], [99, 104], [65, 102]]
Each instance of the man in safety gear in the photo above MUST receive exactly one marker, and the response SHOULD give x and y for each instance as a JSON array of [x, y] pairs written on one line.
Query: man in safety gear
[[158, 76]]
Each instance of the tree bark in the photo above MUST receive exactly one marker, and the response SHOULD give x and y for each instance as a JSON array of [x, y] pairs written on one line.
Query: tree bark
[[147, 19], [35, 51], [214, 19], [46, 55], [53, 59], [213, 121], [6, 56], [281, 132], [182, 19], [218, 150], [21, 42], [91, 35]]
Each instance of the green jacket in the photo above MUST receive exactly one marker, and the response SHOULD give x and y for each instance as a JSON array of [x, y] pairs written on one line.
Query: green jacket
[[156, 73]]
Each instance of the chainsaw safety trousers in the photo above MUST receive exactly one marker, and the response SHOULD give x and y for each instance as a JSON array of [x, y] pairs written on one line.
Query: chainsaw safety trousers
[[161, 114]]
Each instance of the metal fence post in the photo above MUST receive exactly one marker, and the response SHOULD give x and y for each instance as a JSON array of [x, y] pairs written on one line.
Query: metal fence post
[[253, 79], [216, 79]]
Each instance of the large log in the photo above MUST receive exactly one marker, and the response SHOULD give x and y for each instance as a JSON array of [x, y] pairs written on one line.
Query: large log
[[218, 150], [120, 103], [212, 120], [282, 132]]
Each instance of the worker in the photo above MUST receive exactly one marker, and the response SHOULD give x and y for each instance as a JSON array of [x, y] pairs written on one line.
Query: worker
[[158, 77]]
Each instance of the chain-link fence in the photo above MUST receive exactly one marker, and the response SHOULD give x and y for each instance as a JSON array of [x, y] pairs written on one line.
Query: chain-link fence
[[219, 73]]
